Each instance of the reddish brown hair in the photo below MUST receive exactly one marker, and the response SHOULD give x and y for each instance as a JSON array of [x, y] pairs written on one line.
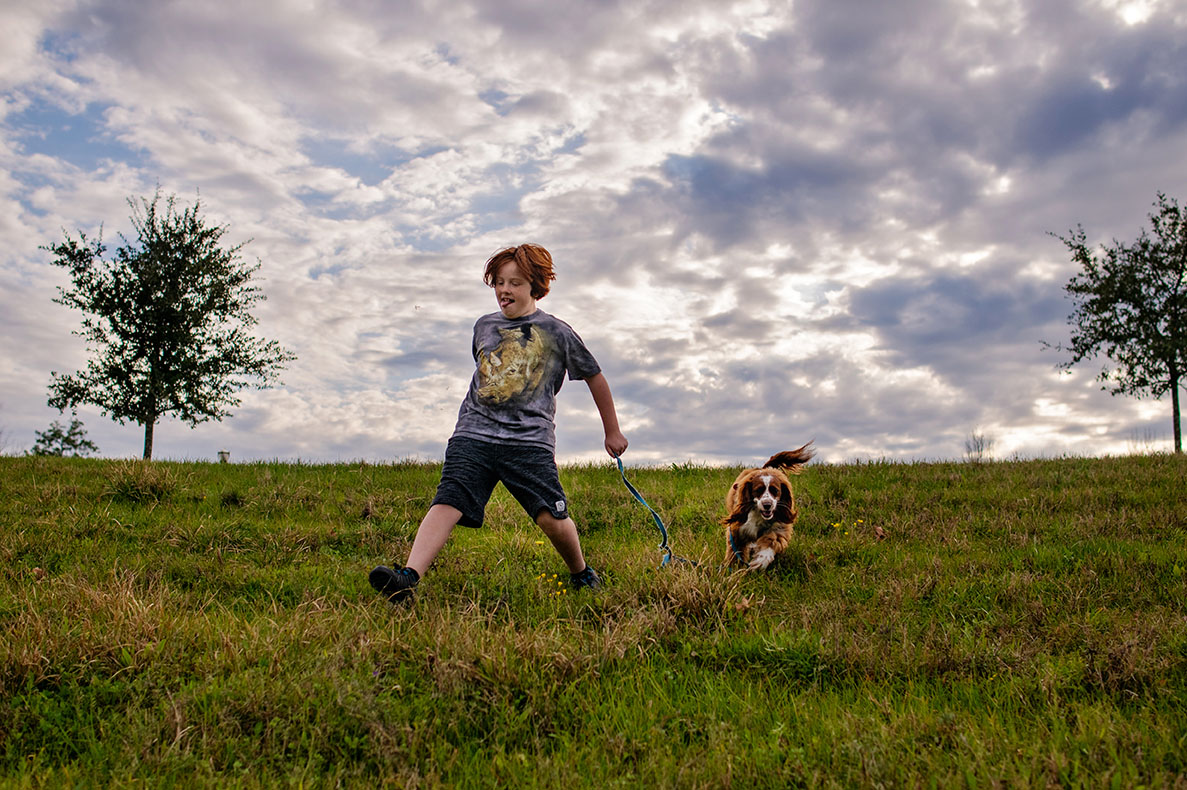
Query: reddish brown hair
[[534, 262]]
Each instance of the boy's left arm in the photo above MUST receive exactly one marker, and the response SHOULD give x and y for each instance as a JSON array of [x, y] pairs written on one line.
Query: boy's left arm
[[616, 443]]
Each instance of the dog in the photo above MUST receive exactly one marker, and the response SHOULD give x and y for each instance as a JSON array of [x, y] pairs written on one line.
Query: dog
[[761, 509]]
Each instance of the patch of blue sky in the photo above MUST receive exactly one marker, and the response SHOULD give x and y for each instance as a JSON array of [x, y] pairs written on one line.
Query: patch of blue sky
[[29, 208], [490, 211], [81, 139], [496, 99], [499, 207], [572, 144], [405, 360], [396, 379], [495, 212], [447, 55], [60, 46], [819, 293], [325, 205], [31, 179], [330, 270], [370, 167], [683, 168], [430, 239], [399, 365]]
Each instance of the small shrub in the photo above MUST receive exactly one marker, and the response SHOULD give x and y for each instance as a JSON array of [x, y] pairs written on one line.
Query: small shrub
[[978, 447], [140, 481], [232, 498]]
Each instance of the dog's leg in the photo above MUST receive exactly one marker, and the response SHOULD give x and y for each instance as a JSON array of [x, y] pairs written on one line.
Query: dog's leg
[[768, 546], [739, 557], [762, 559]]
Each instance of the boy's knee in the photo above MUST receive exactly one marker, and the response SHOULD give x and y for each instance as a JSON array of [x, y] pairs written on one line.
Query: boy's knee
[[551, 524]]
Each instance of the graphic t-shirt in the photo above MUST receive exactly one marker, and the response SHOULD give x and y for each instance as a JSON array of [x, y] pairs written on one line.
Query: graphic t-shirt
[[521, 364]]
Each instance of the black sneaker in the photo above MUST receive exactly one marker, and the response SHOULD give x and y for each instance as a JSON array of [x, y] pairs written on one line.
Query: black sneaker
[[587, 579], [396, 583]]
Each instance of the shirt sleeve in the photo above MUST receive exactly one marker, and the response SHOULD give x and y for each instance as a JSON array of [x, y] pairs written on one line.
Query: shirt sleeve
[[580, 363]]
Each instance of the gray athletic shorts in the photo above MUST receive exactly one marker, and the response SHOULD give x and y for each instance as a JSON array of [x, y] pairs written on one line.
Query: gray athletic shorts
[[473, 467]]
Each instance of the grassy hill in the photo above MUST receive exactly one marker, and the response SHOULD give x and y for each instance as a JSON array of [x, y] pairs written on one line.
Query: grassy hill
[[1019, 624]]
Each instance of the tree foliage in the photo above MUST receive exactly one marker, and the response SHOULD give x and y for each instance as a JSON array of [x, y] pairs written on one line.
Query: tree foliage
[[1131, 307], [64, 440], [168, 320]]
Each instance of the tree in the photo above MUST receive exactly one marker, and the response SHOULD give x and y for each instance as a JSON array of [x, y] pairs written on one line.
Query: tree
[[1131, 306], [167, 319], [978, 446], [64, 441]]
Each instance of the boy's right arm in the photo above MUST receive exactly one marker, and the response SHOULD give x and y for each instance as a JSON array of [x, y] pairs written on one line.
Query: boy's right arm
[[599, 388]]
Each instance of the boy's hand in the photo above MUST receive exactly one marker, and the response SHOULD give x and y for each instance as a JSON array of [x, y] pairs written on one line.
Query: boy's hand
[[616, 444]]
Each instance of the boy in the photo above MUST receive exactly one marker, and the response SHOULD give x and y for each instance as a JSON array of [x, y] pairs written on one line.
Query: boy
[[505, 430]]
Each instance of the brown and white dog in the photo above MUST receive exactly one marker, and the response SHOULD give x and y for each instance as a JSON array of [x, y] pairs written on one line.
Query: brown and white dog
[[762, 509]]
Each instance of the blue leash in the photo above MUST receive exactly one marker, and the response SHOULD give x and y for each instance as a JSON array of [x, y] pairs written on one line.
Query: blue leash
[[663, 531]]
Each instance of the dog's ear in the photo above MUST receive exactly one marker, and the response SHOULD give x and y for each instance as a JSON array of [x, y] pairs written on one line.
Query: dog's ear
[[738, 516], [785, 512], [742, 501]]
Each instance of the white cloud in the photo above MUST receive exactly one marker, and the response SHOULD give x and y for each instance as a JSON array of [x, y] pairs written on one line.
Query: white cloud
[[772, 221]]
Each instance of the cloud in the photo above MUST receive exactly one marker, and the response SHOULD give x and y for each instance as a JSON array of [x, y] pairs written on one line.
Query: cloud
[[772, 221]]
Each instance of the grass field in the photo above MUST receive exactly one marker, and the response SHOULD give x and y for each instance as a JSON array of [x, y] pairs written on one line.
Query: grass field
[[1021, 624]]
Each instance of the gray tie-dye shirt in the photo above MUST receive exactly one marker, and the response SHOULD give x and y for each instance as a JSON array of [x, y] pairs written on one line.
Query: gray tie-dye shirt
[[521, 364]]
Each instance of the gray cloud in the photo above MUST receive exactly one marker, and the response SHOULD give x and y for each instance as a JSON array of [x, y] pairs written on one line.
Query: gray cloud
[[772, 222]]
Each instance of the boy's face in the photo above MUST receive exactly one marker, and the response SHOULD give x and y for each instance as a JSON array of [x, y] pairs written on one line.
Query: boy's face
[[513, 291]]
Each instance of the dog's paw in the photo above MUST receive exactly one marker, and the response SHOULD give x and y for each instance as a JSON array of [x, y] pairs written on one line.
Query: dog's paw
[[762, 559]]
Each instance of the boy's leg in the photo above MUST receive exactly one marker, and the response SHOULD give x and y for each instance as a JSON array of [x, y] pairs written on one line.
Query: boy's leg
[[435, 528], [530, 474], [432, 534], [562, 532]]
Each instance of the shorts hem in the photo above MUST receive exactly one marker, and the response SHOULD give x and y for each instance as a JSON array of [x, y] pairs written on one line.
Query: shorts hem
[[542, 508], [463, 520]]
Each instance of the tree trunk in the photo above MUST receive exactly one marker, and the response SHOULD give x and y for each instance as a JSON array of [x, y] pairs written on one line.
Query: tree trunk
[[1175, 409], [148, 426], [150, 417]]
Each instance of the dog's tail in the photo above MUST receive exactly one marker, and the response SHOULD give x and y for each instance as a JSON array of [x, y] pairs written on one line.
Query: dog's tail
[[792, 460]]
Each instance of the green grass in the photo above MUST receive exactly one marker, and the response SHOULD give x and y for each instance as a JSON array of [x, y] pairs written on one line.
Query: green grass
[[1020, 624]]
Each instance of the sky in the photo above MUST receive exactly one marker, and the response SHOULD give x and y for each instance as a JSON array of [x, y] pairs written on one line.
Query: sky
[[772, 222]]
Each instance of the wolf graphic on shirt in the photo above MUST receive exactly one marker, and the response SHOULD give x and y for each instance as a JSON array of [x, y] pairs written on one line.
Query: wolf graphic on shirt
[[515, 367]]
